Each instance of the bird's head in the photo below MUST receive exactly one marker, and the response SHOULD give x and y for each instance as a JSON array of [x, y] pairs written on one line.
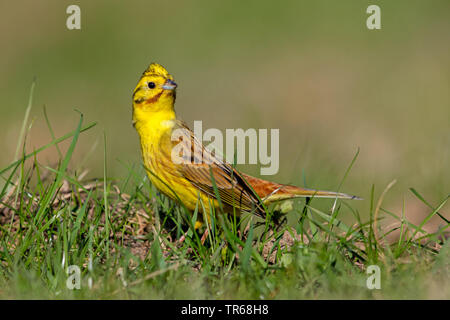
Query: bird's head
[[155, 90]]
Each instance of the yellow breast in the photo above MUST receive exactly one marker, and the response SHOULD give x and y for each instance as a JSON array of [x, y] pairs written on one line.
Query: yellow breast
[[156, 147]]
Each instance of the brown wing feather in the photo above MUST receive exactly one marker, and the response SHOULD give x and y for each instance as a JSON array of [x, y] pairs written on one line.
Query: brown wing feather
[[200, 164]]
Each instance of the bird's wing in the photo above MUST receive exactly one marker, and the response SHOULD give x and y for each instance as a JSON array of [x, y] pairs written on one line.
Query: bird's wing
[[201, 168]]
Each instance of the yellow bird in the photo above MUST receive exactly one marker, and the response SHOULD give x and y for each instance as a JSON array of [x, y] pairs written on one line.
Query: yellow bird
[[202, 174]]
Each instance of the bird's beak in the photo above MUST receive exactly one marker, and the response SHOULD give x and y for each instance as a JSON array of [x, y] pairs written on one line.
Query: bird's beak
[[169, 85]]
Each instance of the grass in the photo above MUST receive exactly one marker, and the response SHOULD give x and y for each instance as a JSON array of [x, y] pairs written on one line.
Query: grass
[[122, 234]]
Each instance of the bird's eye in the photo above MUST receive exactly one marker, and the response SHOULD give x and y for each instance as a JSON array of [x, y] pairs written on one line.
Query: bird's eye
[[151, 85]]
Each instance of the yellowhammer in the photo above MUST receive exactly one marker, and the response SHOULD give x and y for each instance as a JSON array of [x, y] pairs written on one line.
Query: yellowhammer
[[204, 175]]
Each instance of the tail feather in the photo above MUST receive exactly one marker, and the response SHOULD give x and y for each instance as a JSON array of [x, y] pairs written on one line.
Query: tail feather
[[271, 192], [296, 192]]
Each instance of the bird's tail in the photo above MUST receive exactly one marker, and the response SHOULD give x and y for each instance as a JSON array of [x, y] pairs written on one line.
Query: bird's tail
[[271, 192], [285, 192]]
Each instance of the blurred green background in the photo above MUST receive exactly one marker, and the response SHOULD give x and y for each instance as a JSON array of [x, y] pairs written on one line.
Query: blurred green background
[[310, 68]]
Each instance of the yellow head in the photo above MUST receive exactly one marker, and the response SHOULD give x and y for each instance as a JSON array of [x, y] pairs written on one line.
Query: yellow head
[[155, 93]]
